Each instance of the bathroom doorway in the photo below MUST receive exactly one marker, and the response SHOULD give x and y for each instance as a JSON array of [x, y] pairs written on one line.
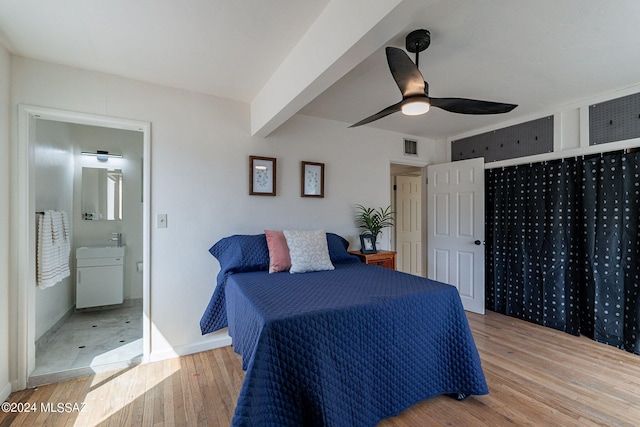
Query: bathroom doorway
[[408, 201], [56, 340]]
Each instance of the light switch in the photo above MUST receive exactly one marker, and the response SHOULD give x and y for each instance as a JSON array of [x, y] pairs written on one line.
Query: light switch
[[161, 221]]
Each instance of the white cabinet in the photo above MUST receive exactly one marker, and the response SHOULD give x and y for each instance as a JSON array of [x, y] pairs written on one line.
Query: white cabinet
[[99, 281]]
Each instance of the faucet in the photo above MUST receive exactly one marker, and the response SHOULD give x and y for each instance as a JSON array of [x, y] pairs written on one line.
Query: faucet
[[117, 238]]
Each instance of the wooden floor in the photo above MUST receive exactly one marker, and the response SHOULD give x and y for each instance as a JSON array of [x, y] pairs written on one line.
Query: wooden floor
[[536, 376]]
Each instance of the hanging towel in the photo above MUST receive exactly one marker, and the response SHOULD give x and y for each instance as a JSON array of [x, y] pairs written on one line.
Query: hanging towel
[[53, 248]]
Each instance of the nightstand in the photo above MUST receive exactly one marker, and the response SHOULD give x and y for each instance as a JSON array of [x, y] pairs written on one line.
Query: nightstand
[[385, 259]]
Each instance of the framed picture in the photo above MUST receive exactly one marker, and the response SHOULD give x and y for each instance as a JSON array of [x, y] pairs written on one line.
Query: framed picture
[[262, 176], [312, 179], [368, 244]]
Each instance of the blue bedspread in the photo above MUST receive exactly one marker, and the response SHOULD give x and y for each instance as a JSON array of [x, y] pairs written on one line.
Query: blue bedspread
[[347, 347]]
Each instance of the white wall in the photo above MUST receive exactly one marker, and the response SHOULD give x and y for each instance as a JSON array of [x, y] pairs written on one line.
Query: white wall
[[199, 178], [5, 176], [53, 184]]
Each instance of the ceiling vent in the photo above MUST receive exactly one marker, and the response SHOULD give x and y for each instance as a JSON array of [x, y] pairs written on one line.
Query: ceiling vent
[[410, 147]]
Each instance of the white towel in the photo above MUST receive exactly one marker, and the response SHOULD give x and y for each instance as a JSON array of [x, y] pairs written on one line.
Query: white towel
[[54, 247]]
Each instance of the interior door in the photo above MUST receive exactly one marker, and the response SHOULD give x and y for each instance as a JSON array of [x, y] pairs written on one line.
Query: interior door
[[455, 228], [408, 224]]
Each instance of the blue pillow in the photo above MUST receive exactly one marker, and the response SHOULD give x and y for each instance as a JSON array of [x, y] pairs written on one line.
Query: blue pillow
[[338, 249], [236, 254], [241, 253]]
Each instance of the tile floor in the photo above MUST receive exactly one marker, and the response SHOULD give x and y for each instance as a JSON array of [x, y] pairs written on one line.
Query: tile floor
[[89, 342]]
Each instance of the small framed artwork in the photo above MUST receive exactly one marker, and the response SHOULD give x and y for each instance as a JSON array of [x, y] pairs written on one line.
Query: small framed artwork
[[262, 176], [312, 177], [368, 244]]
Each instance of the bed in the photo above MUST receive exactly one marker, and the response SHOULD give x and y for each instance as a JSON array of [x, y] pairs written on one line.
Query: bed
[[343, 347]]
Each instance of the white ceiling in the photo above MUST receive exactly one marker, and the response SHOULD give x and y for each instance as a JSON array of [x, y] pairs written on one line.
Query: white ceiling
[[219, 47], [539, 54]]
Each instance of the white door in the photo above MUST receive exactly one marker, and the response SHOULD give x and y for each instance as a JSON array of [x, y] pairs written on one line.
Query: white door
[[408, 224], [455, 228]]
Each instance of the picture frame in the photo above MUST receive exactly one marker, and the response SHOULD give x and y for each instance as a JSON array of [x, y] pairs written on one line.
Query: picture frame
[[262, 176], [312, 179], [368, 244]]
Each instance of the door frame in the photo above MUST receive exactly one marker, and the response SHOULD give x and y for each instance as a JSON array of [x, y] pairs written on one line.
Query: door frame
[[22, 235], [423, 203]]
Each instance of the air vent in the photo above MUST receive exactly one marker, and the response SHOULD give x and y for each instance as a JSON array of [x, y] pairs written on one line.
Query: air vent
[[410, 147]]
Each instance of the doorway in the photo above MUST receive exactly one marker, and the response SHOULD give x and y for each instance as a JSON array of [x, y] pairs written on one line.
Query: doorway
[[407, 201], [24, 227]]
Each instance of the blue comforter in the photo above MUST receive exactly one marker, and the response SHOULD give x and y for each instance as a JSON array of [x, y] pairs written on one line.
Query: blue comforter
[[347, 347]]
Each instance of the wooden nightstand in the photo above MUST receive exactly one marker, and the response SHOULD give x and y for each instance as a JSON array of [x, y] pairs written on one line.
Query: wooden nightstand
[[385, 259]]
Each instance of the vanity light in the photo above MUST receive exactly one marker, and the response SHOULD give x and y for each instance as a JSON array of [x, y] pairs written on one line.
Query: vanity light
[[101, 155], [261, 167]]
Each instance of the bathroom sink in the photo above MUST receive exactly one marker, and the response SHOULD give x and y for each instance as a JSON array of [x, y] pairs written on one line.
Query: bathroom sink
[[100, 251]]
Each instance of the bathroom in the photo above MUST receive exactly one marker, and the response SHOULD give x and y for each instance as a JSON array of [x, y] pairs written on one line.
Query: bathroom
[[72, 341]]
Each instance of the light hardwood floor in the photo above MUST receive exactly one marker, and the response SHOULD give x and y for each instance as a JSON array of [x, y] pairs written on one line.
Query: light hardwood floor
[[536, 376]]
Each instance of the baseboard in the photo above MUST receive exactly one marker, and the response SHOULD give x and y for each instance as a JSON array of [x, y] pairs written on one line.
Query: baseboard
[[45, 337], [132, 302], [128, 303], [56, 377], [183, 350], [5, 392]]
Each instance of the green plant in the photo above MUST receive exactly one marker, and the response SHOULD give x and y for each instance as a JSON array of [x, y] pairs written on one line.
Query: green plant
[[373, 220]]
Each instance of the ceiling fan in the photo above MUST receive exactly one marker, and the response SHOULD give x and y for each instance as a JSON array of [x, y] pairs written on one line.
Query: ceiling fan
[[415, 90]]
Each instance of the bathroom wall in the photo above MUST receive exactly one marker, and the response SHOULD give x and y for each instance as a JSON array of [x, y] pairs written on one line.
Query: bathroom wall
[[53, 182], [97, 233]]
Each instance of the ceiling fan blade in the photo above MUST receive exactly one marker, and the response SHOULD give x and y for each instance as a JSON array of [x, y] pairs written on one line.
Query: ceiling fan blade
[[471, 106], [389, 110], [405, 72]]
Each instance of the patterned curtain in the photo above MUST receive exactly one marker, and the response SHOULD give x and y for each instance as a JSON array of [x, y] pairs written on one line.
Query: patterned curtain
[[563, 245], [611, 214]]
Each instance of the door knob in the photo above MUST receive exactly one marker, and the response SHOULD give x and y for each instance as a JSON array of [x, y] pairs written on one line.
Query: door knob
[[477, 242]]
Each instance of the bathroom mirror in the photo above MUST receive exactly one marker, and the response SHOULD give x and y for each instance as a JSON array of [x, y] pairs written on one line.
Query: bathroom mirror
[[101, 194]]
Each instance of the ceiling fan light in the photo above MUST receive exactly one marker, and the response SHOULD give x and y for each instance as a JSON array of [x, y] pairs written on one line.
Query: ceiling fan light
[[415, 108]]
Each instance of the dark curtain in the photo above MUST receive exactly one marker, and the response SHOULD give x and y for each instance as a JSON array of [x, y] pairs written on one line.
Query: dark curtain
[[611, 215], [562, 245]]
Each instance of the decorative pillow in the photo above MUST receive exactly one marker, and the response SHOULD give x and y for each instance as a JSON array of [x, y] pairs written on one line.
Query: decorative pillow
[[308, 251], [279, 259], [338, 246], [241, 253]]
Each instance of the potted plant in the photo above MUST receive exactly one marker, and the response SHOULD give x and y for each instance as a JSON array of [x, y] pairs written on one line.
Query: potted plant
[[371, 222]]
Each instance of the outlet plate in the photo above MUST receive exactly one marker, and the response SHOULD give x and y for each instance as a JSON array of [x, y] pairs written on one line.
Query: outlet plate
[[161, 221]]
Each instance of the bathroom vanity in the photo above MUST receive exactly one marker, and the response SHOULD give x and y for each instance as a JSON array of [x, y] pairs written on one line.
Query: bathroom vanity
[[99, 276]]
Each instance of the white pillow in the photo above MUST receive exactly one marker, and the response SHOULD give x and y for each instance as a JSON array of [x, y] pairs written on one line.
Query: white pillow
[[308, 251]]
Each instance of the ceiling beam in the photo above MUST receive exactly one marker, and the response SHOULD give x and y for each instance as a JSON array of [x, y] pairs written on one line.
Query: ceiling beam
[[345, 33]]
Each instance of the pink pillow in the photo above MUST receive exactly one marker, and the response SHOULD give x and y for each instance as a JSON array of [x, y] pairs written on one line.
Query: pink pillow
[[279, 259]]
